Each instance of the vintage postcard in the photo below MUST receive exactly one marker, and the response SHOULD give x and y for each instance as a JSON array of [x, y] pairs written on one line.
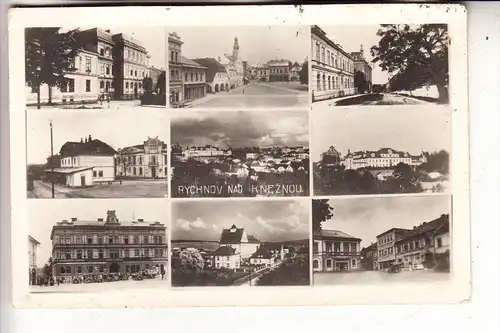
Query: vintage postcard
[[316, 162]]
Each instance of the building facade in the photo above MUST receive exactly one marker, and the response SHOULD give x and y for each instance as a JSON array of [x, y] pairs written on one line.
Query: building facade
[[131, 67], [369, 257], [32, 252], [84, 247], [386, 247], [234, 67], [226, 257], [362, 65], [335, 251], [146, 160], [332, 68], [85, 163], [382, 158], [207, 151], [279, 70], [217, 78], [176, 92], [193, 79], [237, 238], [295, 72], [82, 85]]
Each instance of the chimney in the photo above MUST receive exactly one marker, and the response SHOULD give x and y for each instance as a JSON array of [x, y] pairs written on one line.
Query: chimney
[[73, 219], [85, 140], [90, 137]]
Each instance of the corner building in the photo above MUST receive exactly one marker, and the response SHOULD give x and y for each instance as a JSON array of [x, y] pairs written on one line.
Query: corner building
[[85, 247]]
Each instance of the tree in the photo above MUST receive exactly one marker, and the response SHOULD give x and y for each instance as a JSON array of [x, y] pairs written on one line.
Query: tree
[[360, 82], [405, 179], [187, 264], [322, 212], [439, 161], [415, 54], [50, 55], [304, 73]]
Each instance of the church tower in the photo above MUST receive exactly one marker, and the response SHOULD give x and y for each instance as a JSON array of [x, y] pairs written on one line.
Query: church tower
[[236, 48]]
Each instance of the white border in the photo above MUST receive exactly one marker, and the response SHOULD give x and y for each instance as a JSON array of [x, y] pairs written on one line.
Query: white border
[[457, 290]]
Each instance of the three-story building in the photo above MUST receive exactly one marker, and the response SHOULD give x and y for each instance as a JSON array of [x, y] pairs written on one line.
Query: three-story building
[[87, 247], [146, 160], [335, 250]]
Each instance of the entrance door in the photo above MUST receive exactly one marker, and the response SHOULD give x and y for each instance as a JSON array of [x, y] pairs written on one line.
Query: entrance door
[[342, 266], [114, 268], [153, 172], [135, 91], [82, 180]]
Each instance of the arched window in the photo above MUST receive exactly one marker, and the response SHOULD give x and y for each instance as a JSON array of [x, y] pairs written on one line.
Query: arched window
[[324, 82], [101, 85], [107, 86], [329, 83], [315, 264]]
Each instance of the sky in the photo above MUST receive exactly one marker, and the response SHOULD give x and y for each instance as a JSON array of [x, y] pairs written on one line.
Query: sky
[[281, 220], [118, 128], [352, 37], [238, 129], [257, 44], [407, 128], [366, 218], [44, 214], [152, 38]]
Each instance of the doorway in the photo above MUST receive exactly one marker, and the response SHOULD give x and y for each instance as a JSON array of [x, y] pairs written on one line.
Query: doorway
[[114, 267], [82, 180], [342, 266], [153, 172]]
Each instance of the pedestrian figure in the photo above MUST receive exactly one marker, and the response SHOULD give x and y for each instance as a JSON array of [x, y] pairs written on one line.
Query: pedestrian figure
[[162, 272], [120, 181], [108, 100]]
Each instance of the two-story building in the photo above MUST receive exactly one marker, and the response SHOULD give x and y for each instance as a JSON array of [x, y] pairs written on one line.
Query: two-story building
[[193, 79], [146, 160], [263, 256], [85, 163], [335, 251], [295, 71], [226, 257], [103, 246], [279, 70], [217, 78], [131, 66], [332, 68], [382, 158]]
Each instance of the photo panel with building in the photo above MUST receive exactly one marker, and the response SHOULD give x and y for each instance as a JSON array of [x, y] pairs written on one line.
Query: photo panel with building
[[81, 154], [98, 245], [228, 67], [240, 243], [381, 151], [95, 67], [385, 64], [240, 154], [382, 240]]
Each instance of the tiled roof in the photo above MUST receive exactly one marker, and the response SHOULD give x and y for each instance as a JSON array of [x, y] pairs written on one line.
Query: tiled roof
[[93, 147], [332, 234], [262, 253], [225, 251], [378, 154], [213, 67], [68, 170], [190, 63], [228, 237], [252, 239], [428, 227]]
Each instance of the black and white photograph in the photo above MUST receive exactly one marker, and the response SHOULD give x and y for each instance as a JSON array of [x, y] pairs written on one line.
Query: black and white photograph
[[238, 67], [384, 151], [81, 154], [386, 64], [240, 243], [95, 68], [97, 245], [240, 154], [381, 240]]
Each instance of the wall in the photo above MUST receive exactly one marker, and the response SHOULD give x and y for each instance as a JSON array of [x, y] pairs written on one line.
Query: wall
[[74, 179], [106, 164]]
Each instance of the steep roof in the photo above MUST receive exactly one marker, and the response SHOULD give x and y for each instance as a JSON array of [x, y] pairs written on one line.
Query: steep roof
[[212, 65], [332, 234], [225, 251], [428, 227], [262, 253], [92, 147], [231, 236], [190, 63]]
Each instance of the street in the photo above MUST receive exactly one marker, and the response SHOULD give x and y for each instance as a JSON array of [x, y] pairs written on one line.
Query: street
[[378, 277], [371, 99], [101, 287], [128, 189], [261, 94]]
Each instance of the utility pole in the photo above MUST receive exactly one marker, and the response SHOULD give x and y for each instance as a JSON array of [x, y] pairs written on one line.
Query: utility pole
[[52, 159]]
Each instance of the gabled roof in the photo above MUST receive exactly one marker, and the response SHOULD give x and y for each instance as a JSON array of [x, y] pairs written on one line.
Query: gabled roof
[[428, 227], [225, 251], [213, 67], [262, 253], [92, 147], [190, 63], [332, 234], [234, 237]]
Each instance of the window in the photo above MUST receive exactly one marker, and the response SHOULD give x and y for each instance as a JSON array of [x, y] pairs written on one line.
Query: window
[[87, 85], [126, 253], [101, 51], [125, 239], [336, 246], [79, 240], [329, 263], [185, 76], [135, 73], [126, 85], [439, 242], [100, 240], [108, 69], [160, 239], [353, 263], [155, 239], [89, 239], [79, 269], [315, 264], [88, 64], [95, 173], [100, 173], [71, 85], [63, 270], [136, 252], [172, 56], [90, 254], [110, 240], [136, 239], [101, 68], [131, 73], [101, 269], [101, 254], [196, 76], [67, 255], [79, 254], [146, 239], [353, 248]]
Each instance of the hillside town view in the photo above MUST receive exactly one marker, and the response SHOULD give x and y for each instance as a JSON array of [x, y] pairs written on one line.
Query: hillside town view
[[70, 250], [66, 162], [95, 68], [389, 64], [240, 243], [240, 154], [221, 67], [367, 161], [381, 240]]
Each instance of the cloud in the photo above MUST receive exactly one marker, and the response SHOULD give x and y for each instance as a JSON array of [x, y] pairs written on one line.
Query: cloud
[[187, 225]]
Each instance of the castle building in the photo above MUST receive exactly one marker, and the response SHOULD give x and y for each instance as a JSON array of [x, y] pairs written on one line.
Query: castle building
[[85, 163], [205, 152], [332, 68], [146, 160], [382, 158], [86, 247], [335, 250]]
